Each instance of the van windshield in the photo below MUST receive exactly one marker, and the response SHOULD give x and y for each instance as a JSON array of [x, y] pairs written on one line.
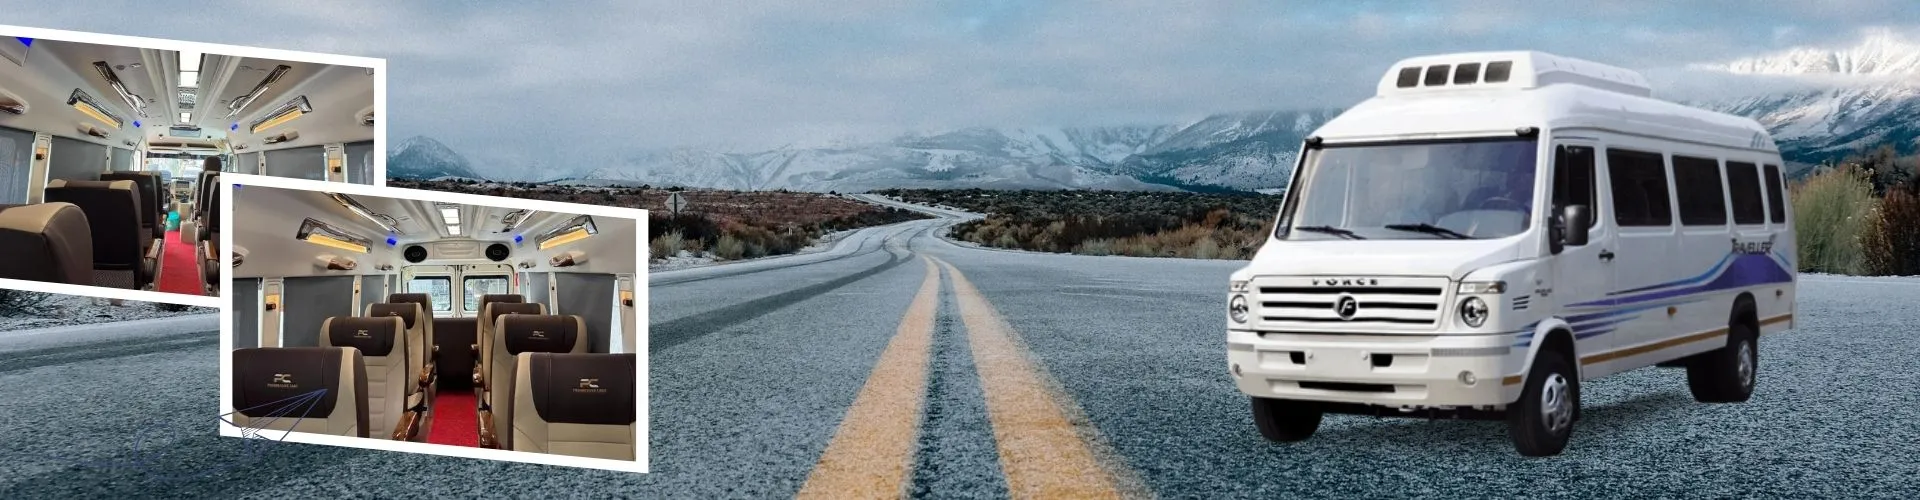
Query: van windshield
[[1460, 189]]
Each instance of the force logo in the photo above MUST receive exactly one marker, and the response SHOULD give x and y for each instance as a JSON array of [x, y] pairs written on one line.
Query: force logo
[[282, 381], [589, 385], [1345, 282], [538, 335], [361, 334]]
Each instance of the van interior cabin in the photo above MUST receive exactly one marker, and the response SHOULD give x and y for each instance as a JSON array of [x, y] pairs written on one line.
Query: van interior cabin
[[102, 149], [459, 325]]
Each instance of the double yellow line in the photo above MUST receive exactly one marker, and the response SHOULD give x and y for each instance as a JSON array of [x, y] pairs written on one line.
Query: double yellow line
[[1042, 451]]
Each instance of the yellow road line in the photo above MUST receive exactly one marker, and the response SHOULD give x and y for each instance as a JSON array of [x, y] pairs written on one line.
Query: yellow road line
[[872, 452], [1041, 453]]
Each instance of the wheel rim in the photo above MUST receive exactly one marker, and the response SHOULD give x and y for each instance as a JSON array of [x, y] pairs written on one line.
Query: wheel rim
[[1556, 403], [1745, 364]]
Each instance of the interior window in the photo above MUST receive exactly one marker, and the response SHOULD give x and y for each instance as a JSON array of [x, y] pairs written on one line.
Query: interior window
[[1573, 179], [1702, 202], [1743, 186], [1776, 199], [482, 285], [437, 288], [1639, 182]]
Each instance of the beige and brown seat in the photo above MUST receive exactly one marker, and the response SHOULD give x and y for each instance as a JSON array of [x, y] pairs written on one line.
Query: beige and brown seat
[[192, 221], [575, 404], [455, 344], [514, 334], [124, 253], [382, 343], [208, 244], [485, 324], [46, 242], [154, 209], [420, 363], [273, 388]]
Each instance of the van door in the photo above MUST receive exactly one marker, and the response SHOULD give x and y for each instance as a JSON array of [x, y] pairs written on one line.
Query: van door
[[1640, 194], [1580, 273]]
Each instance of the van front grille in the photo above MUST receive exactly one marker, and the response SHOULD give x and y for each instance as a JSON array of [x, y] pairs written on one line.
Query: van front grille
[[1385, 303]]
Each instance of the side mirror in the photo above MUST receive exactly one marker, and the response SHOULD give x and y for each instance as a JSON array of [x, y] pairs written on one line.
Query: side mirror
[[1578, 219]]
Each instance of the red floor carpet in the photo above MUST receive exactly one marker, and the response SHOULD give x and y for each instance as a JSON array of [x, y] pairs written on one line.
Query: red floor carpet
[[180, 273], [454, 420]]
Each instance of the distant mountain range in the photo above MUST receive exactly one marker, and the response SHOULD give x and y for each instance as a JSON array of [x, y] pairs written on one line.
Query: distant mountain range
[[1870, 95]]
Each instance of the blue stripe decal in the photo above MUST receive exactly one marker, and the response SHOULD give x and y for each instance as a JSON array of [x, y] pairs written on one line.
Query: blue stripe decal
[[1746, 270], [1696, 279]]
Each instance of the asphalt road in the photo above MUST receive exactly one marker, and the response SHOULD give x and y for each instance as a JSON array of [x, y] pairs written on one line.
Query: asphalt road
[[899, 362]]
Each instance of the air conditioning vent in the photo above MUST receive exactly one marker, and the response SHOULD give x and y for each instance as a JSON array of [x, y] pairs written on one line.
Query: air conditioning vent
[[184, 131], [365, 117]]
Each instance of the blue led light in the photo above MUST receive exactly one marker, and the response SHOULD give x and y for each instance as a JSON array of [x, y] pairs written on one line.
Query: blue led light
[[136, 124], [24, 40], [516, 238], [391, 241], [236, 126]]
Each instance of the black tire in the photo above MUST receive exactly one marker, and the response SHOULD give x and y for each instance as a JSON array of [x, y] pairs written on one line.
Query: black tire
[[1285, 421], [1722, 375], [1537, 433]]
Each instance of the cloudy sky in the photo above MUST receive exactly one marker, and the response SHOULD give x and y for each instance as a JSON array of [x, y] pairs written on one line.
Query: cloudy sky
[[534, 81]]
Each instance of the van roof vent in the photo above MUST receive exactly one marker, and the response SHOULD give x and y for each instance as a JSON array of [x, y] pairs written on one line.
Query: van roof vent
[[1505, 70]]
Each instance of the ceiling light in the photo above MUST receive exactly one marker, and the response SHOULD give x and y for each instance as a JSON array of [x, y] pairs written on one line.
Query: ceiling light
[[83, 102], [320, 233], [190, 79], [453, 230], [189, 61], [450, 214], [186, 117], [288, 112], [577, 229]]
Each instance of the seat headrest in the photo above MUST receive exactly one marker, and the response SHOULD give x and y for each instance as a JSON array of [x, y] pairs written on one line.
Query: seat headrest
[[46, 242], [425, 301], [501, 297], [73, 184], [499, 308], [270, 381], [593, 389], [372, 336], [408, 312], [538, 333]]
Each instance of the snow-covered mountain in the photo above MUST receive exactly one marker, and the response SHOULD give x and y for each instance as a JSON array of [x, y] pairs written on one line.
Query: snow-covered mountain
[[421, 157], [1849, 98], [1841, 100]]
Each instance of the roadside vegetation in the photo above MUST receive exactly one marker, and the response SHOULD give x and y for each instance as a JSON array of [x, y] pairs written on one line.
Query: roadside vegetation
[[1139, 224], [718, 225], [1860, 216]]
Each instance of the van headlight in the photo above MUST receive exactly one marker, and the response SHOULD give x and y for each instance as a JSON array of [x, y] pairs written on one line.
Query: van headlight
[[1473, 312], [1237, 308]]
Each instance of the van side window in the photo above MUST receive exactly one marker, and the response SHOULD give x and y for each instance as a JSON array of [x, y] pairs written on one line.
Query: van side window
[[1776, 198], [1639, 182], [1573, 178], [1743, 186], [1703, 202]]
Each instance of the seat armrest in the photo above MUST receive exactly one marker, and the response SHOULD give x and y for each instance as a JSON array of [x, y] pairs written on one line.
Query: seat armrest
[[487, 437], [408, 425]]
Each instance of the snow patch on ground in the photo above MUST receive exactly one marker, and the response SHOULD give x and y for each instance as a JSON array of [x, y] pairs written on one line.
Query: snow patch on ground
[[687, 260], [64, 310]]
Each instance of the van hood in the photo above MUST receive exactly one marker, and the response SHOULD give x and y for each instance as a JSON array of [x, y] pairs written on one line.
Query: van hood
[[1450, 258]]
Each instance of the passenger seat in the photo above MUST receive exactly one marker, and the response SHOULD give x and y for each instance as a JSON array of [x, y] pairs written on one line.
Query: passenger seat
[[420, 364], [575, 404], [382, 342], [208, 241], [46, 242], [484, 327], [154, 213], [268, 383], [515, 334], [123, 252]]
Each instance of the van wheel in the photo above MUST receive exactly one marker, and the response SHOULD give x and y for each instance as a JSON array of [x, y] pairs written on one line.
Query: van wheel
[[1541, 422], [1285, 421], [1727, 374]]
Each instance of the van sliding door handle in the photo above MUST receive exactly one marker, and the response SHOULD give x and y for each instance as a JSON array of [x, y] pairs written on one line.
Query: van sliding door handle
[[1606, 255]]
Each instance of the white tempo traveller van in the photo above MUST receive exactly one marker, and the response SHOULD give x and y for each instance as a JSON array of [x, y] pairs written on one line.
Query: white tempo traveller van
[[1492, 229]]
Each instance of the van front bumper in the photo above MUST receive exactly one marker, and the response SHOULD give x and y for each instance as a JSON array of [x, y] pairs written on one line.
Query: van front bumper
[[1407, 371]]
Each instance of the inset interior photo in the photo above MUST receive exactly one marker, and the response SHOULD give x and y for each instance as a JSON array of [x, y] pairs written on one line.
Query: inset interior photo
[[436, 323], [108, 146]]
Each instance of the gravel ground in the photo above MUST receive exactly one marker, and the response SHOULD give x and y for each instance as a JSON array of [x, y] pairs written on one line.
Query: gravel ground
[[61, 310]]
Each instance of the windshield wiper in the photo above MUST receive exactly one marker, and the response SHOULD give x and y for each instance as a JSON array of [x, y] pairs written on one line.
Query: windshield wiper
[[1331, 230], [1429, 229]]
